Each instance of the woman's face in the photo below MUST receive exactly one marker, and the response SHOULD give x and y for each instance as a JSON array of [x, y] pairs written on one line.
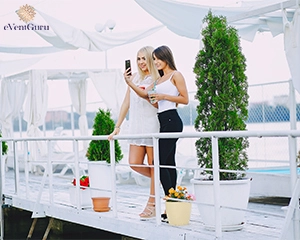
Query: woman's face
[[160, 65], [142, 62]]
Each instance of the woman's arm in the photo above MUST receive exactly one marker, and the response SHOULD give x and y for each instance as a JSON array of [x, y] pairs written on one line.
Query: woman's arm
[[142, 93], [123, 111]]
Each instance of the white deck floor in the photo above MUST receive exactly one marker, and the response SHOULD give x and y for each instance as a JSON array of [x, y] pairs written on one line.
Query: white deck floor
[[262, 221]]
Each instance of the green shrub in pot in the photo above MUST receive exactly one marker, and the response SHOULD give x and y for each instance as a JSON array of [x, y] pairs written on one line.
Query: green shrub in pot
[[99, 150], [222, 92], [4, 147]]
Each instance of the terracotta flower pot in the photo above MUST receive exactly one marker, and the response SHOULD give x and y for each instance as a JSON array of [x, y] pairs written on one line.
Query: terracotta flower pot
[[101, 204]]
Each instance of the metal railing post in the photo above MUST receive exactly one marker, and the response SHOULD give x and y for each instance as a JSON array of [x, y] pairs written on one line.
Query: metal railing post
[[77, 175], [1, 195], [216, 183], [156, 180], [50, 173], [293, 154], [113, 173]]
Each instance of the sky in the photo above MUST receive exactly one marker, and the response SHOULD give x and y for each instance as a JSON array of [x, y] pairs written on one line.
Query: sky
[[265, 56]]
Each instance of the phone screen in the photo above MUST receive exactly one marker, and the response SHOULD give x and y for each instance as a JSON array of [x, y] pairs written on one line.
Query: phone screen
[[128, 65]]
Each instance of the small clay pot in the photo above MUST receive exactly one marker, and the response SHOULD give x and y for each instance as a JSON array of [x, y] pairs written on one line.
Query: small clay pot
[[101, 204]]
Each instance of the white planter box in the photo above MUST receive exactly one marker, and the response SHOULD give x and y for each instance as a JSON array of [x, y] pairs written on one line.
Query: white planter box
[[84, 197], [100, 179]]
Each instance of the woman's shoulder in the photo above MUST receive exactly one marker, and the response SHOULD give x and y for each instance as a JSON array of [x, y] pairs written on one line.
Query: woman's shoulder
[[176, 75]]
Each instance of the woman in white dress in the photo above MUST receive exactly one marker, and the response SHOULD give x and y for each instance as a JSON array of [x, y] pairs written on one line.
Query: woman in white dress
[[142, 119], [170, 90]]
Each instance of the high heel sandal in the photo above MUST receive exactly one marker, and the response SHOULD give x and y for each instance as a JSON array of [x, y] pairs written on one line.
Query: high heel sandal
[[149, 211]]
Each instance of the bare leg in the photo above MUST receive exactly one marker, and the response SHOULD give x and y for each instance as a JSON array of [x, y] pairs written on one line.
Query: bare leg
[[149, 210], [149, 152], [136, 157]]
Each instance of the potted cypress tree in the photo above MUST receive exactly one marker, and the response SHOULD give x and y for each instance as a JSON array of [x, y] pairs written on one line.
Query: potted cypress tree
[[223, 100], [98, 150], [4, 147], [98, 154]]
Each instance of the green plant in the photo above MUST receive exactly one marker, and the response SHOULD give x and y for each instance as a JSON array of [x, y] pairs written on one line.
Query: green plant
[[222, 94], [99, 150], [4, 147]]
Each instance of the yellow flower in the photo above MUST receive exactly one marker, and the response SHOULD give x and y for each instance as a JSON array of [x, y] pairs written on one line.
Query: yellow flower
[[171, 190], [179, 193]]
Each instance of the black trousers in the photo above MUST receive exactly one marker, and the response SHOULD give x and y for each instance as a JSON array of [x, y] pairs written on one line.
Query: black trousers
[[169, 122]]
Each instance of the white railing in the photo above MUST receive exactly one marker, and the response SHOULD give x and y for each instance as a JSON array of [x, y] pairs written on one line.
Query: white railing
[[290, 134]]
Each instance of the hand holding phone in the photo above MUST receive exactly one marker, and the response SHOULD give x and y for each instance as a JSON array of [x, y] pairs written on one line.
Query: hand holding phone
[[128, 67]]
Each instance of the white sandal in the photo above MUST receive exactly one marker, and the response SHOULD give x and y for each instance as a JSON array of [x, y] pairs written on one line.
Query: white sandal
[[149, 211]]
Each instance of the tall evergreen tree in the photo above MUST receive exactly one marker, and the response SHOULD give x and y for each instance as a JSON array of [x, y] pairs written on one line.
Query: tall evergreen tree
[[222, 94]]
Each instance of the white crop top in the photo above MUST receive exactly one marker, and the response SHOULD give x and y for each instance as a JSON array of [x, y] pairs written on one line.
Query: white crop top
[[167, 87]]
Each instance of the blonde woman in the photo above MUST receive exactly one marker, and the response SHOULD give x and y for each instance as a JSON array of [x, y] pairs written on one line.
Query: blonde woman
[[142, 119], [170, 90]]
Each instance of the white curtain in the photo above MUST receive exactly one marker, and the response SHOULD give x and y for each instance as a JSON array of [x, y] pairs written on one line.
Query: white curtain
[[111, 87], [35, 110], [11, 101], [292, 47], [78, 89]]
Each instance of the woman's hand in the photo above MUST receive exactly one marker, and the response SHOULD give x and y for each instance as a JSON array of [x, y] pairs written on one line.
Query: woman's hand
[[127, 76], [155, 97], [115, 132]]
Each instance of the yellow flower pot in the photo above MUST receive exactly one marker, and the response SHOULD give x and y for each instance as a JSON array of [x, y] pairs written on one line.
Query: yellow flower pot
[[179, 213]]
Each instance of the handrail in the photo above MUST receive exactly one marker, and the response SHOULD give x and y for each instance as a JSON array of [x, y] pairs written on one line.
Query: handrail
[[156, 136], [219, 134]]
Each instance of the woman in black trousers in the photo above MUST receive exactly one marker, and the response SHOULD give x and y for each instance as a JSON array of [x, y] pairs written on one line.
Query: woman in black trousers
[[170, 91]]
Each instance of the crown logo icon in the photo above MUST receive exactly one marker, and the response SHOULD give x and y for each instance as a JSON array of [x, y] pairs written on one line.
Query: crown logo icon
[[26, 13]]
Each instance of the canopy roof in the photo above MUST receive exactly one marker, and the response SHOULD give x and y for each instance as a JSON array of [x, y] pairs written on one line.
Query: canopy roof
[[277, 17], [185, 19], [63, 36], [56, 74]]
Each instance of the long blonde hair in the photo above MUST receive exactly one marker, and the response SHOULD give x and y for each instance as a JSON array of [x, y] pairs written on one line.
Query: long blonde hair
[[147, 51]]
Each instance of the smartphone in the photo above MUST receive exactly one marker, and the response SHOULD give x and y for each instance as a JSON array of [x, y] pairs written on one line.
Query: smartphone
[[128, 65]]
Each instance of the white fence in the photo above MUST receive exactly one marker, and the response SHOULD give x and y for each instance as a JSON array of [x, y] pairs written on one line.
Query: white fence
[[291, 135]]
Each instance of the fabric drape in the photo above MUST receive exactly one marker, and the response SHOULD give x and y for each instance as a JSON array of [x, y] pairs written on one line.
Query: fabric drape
[[67, 37], [11, 101], [111, 88], [185, 19], [35, 111], [78, 90], [15, 66]]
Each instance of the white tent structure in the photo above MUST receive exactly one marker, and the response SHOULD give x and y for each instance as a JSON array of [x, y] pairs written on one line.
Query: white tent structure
[[34, 83], [62, 37]]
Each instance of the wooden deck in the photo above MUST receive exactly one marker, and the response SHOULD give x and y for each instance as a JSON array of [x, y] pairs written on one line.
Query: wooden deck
[[262, 222]]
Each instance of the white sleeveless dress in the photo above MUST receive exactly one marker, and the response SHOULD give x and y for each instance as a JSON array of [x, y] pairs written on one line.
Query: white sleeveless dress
[[142, 115]]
